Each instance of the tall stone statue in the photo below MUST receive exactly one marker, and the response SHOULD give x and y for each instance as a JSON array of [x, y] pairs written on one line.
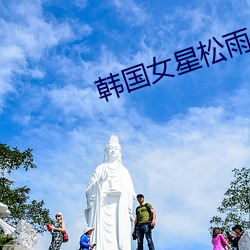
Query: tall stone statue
[[110, 198]]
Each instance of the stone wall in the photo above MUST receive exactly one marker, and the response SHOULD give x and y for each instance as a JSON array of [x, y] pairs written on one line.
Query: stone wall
[[13, 247]]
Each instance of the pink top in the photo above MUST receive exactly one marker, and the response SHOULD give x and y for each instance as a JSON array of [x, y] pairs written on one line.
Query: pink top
[[219, 242]]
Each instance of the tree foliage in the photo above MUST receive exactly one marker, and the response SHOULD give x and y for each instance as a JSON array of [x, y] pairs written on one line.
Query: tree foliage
[[235, 206], [6, 240], [12, 159], [17, 199]]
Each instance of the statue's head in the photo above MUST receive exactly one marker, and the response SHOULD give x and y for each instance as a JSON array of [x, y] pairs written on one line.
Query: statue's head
[[4, 211], [113, 150]]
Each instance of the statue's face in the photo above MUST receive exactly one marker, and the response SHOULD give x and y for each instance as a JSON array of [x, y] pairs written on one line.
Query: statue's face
[[114, 150]]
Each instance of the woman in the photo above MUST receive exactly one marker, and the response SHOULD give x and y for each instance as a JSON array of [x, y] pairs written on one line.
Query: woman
[[218, 240], [84, 240], [56, 231]]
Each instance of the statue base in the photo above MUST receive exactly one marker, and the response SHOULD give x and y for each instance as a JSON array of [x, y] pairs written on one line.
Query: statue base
[[12, 247]]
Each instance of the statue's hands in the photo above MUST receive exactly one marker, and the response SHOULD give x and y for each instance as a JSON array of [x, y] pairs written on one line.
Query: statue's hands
[[90, 202], [104, 175]]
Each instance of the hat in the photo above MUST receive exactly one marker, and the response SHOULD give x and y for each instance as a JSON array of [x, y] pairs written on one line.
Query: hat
[[237, 227], [59, 213], [87, 229]]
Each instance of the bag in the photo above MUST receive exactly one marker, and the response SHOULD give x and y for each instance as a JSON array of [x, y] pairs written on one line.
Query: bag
[[65, 236], [49, 227]]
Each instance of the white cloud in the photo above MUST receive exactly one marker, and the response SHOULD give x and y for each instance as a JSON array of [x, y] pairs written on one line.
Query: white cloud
[[25, 35], [107, 63], [80, 3], [84, 103], [132, 13], [183, 167]]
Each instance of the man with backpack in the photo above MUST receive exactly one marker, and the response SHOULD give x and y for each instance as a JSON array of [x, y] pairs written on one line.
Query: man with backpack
[[144, 223]]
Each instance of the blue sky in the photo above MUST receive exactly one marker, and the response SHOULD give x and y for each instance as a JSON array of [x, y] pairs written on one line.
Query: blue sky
[[180, 137]]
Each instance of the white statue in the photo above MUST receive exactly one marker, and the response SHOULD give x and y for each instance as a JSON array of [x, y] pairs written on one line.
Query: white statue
[[244, 242], [25, 235], [4, 212], [110, 197]]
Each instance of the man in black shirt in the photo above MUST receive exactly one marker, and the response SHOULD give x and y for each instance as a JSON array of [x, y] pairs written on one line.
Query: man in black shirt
[[239, 231]]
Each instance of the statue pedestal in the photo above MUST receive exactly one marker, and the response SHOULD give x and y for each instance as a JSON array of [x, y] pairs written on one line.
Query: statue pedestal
[[13, 247], [244, 242]]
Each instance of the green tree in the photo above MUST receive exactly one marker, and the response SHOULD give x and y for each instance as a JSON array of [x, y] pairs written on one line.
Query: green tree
[[17, 199], [235, 206]]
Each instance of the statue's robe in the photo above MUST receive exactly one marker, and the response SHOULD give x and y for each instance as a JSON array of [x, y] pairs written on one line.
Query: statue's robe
[[110, 197]]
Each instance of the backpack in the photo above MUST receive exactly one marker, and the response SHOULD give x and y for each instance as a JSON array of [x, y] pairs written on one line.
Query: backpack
[[149, 212]]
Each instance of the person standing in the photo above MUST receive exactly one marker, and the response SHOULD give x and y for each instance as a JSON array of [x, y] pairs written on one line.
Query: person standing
[[56, 231], [144, 223], [239, 231], [218, 240], [85, 239]]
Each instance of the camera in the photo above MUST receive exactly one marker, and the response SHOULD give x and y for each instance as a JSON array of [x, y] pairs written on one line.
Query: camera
[[134, 235]]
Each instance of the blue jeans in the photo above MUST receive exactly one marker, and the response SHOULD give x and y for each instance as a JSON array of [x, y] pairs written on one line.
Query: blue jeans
[[142, 230]]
